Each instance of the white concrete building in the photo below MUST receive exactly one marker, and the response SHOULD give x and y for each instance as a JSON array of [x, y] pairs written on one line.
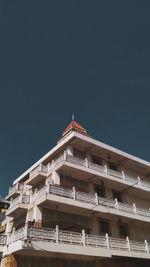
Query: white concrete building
[[83, 204]]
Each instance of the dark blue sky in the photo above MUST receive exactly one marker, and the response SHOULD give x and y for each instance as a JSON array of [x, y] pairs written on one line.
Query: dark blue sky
[[90, 58]]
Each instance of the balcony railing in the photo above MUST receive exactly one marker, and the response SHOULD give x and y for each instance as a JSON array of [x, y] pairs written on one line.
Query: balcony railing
[[39, 168], [120, 175], [22, 199], [79, 239], [109, 204], [15, 188], [16, 235]]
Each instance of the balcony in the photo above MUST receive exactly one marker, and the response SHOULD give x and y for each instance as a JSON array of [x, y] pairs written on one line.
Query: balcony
[[37, 174], [88, 168], [88, 201], [62, 242], [15, 191], [18, 206]]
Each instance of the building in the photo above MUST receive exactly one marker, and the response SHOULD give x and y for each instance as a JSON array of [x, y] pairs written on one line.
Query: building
[[3, 208], [84, 204]]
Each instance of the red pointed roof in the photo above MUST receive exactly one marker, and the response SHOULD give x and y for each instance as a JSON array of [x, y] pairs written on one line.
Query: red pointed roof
[[75, 125]]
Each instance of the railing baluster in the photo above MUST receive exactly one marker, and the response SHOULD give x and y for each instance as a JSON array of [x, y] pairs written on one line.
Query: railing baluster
[[73, 193], [83, 238], [57, 234], [96, 199], [116, 204], [65, 155], [123, 175], [48, 187], [86, 163], [146, 246], [106, 170], [134, 208], [128, 243], [107, 241]]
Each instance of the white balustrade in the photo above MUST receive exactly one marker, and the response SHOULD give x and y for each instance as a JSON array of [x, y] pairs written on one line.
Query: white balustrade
[[74, 238], [118, 243], [95, 200], [75, 160], [85, 197], [17, 187], [19, 200], [39, 168], [85, 163]]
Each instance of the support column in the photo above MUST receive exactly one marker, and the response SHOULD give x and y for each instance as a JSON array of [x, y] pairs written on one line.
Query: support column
[[11, 261], [69, 150], [56, 178], [3, 262], [37, 217]]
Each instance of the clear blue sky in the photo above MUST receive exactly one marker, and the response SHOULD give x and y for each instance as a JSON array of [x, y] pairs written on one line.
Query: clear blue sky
[[90, 58]]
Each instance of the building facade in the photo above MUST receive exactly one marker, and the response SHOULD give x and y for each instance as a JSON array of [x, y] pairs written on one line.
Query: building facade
[[84, 204]]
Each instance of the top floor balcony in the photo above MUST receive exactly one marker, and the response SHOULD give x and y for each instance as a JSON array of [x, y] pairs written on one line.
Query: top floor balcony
[[86, 168], [14, 191]]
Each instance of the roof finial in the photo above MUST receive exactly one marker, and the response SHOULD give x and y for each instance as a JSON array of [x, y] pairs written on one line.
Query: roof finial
[[72, 117]]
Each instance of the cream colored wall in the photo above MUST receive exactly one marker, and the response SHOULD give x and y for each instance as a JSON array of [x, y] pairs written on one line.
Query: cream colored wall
[[139, 201], [139, 232]]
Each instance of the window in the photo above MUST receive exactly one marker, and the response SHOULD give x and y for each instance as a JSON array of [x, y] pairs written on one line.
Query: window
[[123, 230], [112, 166], [118, 195], [100, 190], [96, 160], [104, 227]]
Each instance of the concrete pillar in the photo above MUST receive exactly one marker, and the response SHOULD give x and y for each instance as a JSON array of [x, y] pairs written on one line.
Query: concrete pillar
[[3, 262], [56, 178], [11, 261], [69, 150], [37, 216]]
